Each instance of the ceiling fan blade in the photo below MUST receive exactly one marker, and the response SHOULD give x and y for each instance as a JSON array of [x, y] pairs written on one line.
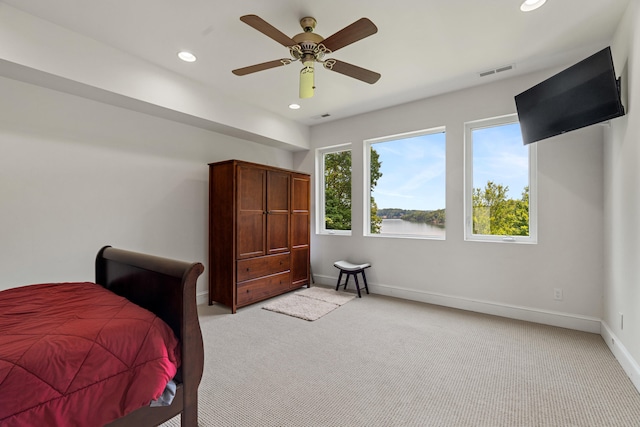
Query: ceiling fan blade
[[260, 67], [267, 29], [350, 70], [360, 29]]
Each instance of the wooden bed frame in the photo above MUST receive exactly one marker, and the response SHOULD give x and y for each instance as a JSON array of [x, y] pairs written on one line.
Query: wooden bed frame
[[167, 288]]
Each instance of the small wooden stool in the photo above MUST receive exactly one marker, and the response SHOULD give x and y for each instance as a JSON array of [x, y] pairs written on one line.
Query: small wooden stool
[[352, 270]]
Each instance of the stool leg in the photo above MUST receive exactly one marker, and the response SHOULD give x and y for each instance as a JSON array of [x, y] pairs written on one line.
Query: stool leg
[[355, 276], [346, 281], [339, 279], [365, 282]]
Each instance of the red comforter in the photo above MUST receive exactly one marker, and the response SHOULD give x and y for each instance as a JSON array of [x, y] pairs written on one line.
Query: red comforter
[[76, 354]]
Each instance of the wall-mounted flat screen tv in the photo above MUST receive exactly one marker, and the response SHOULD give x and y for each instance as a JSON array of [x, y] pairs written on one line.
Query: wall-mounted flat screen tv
[[584, 94]]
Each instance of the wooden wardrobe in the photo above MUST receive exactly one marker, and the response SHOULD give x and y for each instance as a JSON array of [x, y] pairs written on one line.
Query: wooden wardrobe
[[258, 232]]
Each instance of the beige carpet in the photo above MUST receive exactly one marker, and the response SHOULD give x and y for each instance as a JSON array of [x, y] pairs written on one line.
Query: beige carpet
[[381, 361], [309, 304]]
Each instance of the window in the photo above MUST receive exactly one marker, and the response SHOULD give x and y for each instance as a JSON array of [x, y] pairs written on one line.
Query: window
[[334, 190], [407, 192], [500, 182]]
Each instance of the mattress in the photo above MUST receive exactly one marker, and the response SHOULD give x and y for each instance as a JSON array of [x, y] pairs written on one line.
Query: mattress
[[76, 354]]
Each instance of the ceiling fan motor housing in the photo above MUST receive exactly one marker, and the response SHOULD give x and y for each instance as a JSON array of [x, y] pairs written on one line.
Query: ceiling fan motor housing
[[307, 38], [308, 43]]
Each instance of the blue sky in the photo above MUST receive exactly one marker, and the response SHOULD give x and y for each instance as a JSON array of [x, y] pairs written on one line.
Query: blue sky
[[500, 156], [413, 169], [413, 173]]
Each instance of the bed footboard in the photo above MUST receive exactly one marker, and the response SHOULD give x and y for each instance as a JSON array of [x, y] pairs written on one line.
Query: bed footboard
[[167, 288]]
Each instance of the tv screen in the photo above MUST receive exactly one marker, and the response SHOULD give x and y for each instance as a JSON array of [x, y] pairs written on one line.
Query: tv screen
[[584, 94]]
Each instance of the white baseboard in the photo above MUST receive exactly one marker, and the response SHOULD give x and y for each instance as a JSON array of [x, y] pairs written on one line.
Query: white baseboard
[[630, 366], [202, 298], [545, 317]]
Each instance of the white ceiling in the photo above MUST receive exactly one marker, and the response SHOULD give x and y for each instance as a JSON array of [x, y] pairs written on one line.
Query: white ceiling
[[422, 48]]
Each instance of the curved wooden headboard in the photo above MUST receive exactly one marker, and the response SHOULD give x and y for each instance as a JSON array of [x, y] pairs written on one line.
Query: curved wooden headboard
[[167, 288]]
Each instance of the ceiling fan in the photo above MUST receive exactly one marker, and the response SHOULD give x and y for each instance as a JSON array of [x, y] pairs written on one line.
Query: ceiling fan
[[309, 48]]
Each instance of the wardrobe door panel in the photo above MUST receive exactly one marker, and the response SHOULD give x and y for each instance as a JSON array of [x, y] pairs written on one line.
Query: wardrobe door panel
[[250, 240], [300, 239], [251, 212], [278, 223], [299, 267], [300, 194], [278, 192], [299, 230]]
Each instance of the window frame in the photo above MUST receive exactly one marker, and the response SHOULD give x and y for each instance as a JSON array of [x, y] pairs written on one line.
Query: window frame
[[532, 238], [367, 182], [320, 186]]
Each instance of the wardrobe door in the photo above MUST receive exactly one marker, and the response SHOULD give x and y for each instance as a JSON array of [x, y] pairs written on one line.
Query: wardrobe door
[[300, 216], [278, 187], [251, 212]]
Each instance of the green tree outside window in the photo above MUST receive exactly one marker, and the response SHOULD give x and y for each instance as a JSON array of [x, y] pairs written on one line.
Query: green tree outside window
[[337, 190], [494, 214]]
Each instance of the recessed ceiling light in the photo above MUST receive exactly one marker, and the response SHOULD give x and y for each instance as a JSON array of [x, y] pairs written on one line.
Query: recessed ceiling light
[[294, 106], [529, 5], [187, 56]]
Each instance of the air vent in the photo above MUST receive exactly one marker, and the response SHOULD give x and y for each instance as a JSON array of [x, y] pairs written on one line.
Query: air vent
[[321, 116], [496, 70]]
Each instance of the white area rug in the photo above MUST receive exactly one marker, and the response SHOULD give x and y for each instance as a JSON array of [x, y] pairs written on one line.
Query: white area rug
[[309, 304]]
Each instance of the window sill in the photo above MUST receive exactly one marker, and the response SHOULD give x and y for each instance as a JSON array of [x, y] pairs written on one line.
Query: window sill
[[502, 239], [334, 233], [405, 236]]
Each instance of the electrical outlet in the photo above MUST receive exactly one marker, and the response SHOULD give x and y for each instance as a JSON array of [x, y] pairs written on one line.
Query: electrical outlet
[[557, 294]]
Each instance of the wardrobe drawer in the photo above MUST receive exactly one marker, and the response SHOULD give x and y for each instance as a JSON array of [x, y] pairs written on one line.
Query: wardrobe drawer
[[258, 289], [262, 266]]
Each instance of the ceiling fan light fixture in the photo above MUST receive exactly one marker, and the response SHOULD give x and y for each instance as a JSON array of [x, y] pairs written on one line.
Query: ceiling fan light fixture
[[187, 56], [307, 83], [529, 5]]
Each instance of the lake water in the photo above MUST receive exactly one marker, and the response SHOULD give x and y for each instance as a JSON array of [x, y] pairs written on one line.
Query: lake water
[[398, 226]]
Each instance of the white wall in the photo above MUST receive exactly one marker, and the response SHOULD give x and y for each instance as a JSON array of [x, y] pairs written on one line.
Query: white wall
[[77, 174], [36, 51], [622, 201], [515, 280]]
